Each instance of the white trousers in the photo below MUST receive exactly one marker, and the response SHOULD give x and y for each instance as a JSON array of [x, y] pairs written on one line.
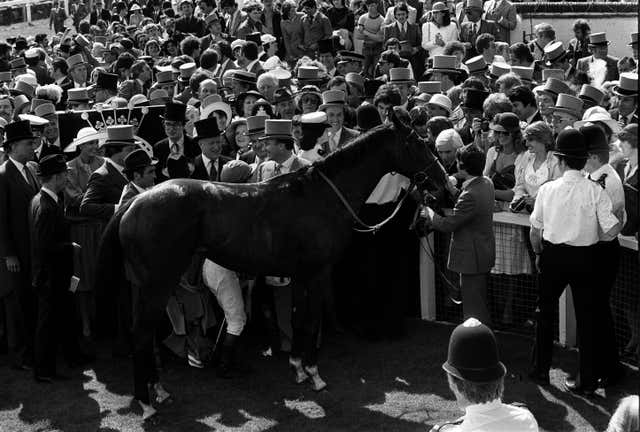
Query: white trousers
[[225, 285]]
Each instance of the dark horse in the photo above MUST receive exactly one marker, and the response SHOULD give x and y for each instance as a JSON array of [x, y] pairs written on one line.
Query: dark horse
[[292, 225]]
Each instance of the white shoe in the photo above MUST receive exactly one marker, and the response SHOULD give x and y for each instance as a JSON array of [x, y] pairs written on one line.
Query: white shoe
[[296, 364], [318, 383]]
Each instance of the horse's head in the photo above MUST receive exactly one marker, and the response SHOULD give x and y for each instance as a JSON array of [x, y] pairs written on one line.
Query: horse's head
[[413, 159]]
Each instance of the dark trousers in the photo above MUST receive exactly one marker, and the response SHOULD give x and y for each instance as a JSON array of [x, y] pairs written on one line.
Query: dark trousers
[[608, 257], [474, 297], [55, 327], [14, 327], [147, 314], [306, 317], [29, 305], [563, 265]]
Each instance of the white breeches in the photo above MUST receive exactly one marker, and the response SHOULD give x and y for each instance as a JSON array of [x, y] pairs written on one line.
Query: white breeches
[[225, 285]]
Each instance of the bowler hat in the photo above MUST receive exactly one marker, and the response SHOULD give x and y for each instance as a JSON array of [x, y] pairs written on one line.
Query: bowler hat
[[569, 104], [235, 171], [121, 135], [591, 95], [477, 65], [280, 129], [51, 165], [400, 75], [17, 131], [571, 143], [137, 159], [554, 52], [473, 353], [107, 81], [174, 111], [598, 39], [255, 124], [430, 87], [332, 98], [628, 85], [368, 117], [595, 138]]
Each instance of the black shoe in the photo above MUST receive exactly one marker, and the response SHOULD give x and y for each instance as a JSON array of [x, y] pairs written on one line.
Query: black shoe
[[574, 386], [540, 378]]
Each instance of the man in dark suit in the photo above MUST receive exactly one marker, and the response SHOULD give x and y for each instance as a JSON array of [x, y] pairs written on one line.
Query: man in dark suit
[[476, 26], [472, 249], [250, 52], [208, 165], [334, 104], [106, 183], [504, 14], [188, 23], [627, 92], [177, 152], [17, 186], [410, 38], [99, 14], [140, 170], [52, 270], [599, 46]]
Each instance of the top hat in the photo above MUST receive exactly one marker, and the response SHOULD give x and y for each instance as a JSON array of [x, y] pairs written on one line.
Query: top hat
[[571, 143], [505, 122], [17, 63], [308, 73], [137, 159], [591, 94], [17, 130], [235, 171], [354, 78], [174, 111], [326, 46], [477, 65], [282, 94], [430, 87], [555, 86], [121, 135], [253, 37], [186, 70], [552, 73], [569, 104], [164, 77], [211, 18], [45, 110], [628, 85], [371, 87], [107, 81], [473, 99], [349, 56], [443, 63], [473, 353], [207, 128], [400, 75], [497, 69], [75, 60], [52, 164], [554, 52], [523, 72], [244, 76], [255, 124], [595, 138], [5, 76], [280, 129], [634, 39], [477, 4], [78, 95], [598, 39], [332, 98], [442, 101]]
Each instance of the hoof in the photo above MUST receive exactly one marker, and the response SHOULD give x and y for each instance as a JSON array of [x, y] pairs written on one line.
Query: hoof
[[149, 413], [318, 383], [296, 364]]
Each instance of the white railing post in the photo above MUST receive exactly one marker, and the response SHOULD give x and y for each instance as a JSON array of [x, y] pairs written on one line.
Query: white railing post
[[27, 7]]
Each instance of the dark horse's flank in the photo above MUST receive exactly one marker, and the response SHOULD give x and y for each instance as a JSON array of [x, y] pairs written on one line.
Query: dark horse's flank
[[292, 225]]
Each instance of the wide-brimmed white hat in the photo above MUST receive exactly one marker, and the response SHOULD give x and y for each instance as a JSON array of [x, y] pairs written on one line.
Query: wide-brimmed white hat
[[598, 114], [85, 135]]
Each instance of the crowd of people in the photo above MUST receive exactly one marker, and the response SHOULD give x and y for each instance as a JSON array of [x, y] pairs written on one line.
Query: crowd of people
[[253, 91]]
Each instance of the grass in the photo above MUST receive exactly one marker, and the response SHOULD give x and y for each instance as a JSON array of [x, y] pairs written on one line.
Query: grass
[[390, 386]]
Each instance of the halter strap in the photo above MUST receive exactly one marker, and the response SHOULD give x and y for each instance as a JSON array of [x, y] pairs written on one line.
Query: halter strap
[[367, 228]]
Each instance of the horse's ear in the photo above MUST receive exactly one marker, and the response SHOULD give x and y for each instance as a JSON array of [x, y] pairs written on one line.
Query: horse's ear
[[397, 123]]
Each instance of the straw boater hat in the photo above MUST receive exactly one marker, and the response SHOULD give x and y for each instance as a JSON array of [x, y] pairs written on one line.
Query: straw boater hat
[[244, 77], [554, 52], [598, 39], [444, 64], [552, 73], [554, 87], [75, 60], [332, 98], [80, 95], [442, 101], [497, 69], [186, 70], [628, 85], [591, 95], [278, 129], [569, 104], [255, 124], [430, 87], [84, 135], [400, 75], [523, 72], [477, 65], [120, 136]]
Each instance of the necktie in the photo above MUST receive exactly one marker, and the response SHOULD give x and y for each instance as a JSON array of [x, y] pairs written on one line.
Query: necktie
[[213, 173], [277, 170], [475, 28], [30, 179]]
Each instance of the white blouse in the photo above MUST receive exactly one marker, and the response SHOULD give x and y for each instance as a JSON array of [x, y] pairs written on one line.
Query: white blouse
[[429, 32], [529, 179]]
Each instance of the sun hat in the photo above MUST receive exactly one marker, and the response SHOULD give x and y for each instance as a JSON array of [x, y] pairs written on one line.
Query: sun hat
[[442, 101], [598, 114], [84, 135]]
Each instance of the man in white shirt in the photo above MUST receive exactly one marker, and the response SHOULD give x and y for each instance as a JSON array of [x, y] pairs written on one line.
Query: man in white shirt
[[476, 378], [567, 219], [607, 252]]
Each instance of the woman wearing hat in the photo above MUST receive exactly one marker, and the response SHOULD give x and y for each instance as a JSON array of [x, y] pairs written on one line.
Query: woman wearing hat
[[313, 143], [245, 102], [237, 139], [438, 30], [309, 99], [502, 157]]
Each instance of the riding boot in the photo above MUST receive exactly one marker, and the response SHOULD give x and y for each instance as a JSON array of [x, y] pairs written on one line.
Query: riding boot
[[228, 367]]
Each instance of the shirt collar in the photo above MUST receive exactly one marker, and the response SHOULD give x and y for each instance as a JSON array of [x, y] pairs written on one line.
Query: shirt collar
[[287, 164], [180, 142], [480, 408], [572, 174], [120, 168], [50, 193], [18, 165], [138, 188]]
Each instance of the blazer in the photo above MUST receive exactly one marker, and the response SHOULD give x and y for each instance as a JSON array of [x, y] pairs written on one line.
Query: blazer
[[257, 69], [15, 199], [472, 249], [104, 15], [615, 114], [179, 168], [468, 37], [51, 246], [266, 169], [612, 67], [412, 35], [346, 136], [200, 171], [504, 16], [103, 192], [128, 193]]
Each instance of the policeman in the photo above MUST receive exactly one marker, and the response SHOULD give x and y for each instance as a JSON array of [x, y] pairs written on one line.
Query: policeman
[[567, 217]]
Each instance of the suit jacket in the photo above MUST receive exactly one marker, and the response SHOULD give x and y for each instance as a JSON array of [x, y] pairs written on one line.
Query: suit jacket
[[15, 199], [276, 18], [472, 248], [200, 171], [129, 88], [42, 75], [128, 193], [51, 247], [257, 69], [191, 25], [228, 64], [505, 17], [612, 67], [65, 85], [104, 15], [232, 23], [615, 114], [346, 136], [103, 192], [79, 174], [266, 169], [631, 198], [412, 35], [468, 37], [178, 168]]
